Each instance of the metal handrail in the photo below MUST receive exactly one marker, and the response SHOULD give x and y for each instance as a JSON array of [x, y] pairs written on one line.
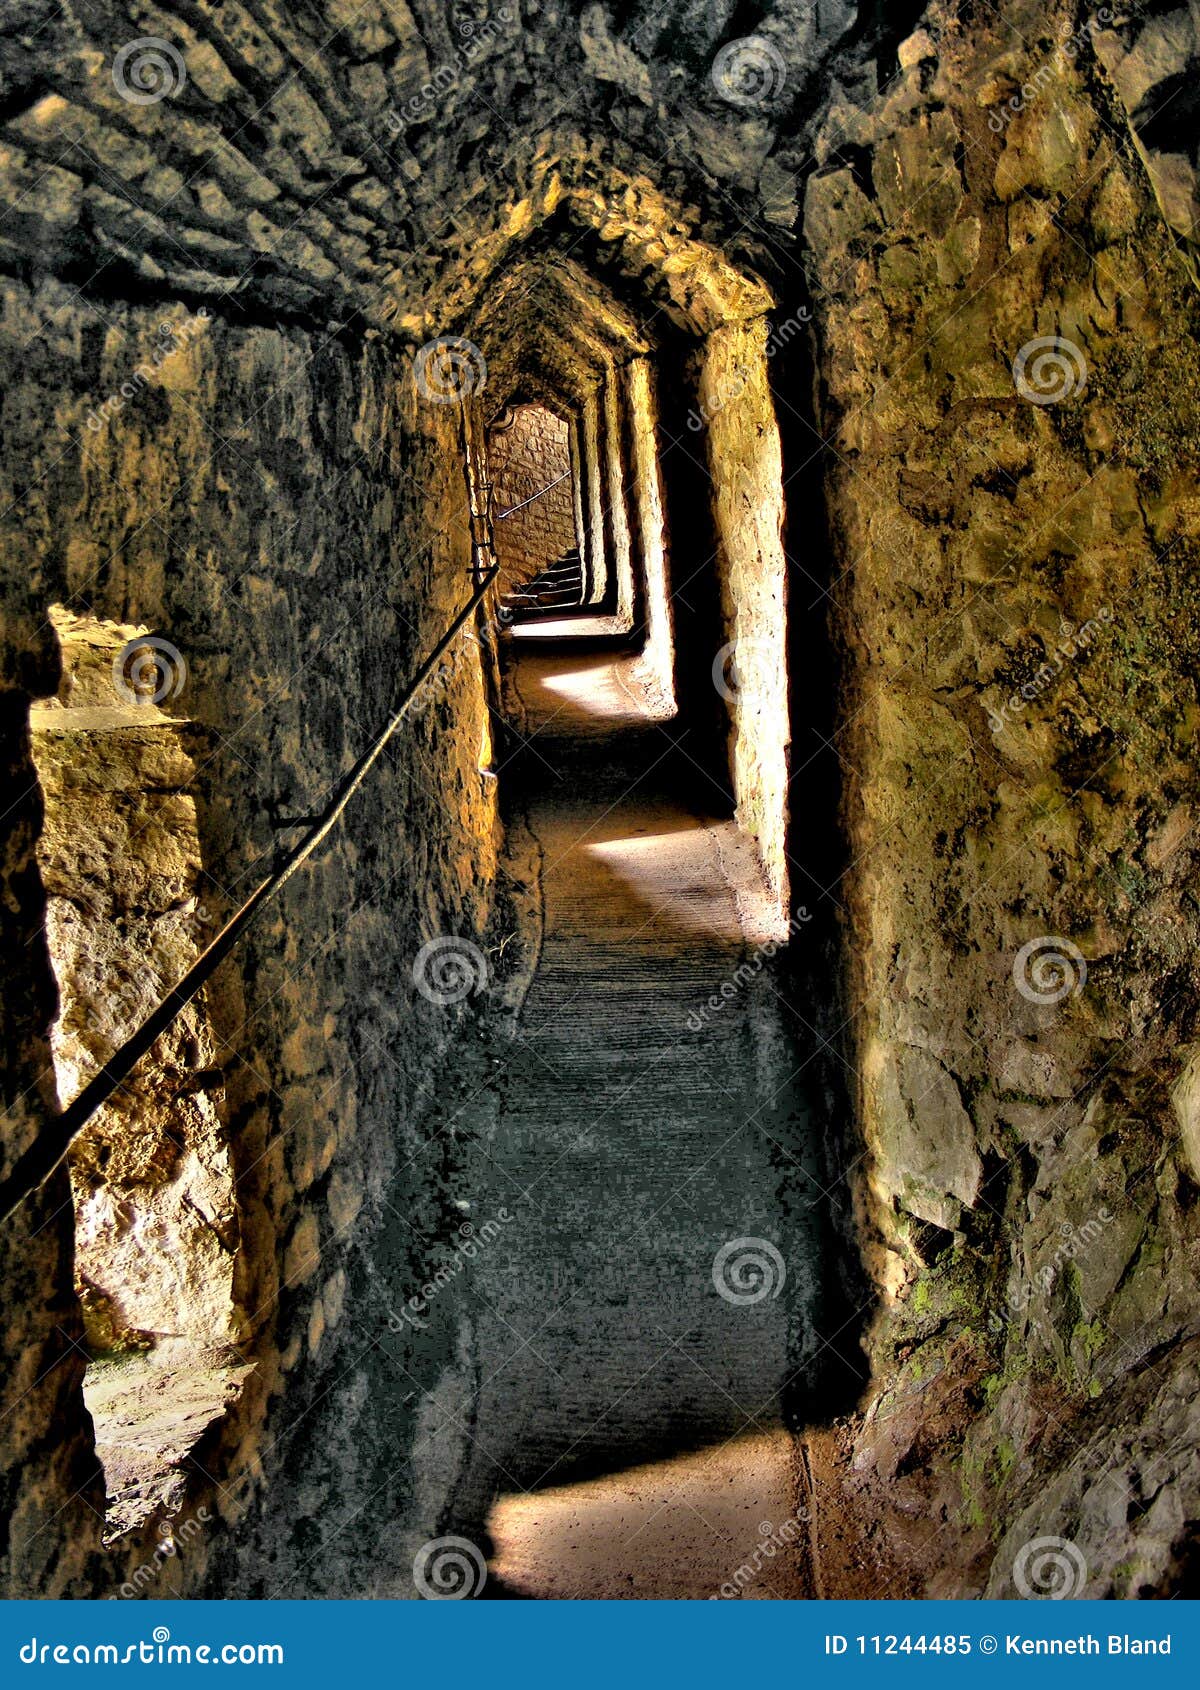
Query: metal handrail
[[500, 515], [51, 1145]]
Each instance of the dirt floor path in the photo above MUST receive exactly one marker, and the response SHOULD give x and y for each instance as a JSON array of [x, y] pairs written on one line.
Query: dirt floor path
[[645, 1320]]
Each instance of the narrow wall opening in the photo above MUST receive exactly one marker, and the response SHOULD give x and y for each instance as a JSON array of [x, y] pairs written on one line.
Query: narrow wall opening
[[533, 511], [152, 1178]]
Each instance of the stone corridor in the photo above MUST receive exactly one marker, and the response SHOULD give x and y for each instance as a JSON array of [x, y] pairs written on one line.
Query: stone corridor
[[634, 1134]]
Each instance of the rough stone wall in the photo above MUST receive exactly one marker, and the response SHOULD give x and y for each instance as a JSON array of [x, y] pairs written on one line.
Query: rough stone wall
[[524, 459], [578, 516], [1151, 52], [286, 511], [345, 162], [49, 1466], [156, 1225], [1017, 615]]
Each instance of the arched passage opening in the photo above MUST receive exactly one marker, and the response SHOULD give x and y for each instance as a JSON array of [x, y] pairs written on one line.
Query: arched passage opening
[[675, 468], [534, 495]]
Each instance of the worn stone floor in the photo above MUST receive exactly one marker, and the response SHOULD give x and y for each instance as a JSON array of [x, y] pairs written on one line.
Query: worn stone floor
[[628, 1429]]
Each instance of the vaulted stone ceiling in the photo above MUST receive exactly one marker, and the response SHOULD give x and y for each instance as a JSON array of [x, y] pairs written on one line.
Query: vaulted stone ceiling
[[383, 164]]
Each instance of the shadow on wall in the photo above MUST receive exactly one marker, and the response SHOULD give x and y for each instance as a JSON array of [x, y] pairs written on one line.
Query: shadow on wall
[[152, 1177]]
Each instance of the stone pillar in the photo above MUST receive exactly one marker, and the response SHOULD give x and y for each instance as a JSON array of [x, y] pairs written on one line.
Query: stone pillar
[[698, 622], [647, 502], [750, 671], [582, 538], [593, 502], [616, 517]]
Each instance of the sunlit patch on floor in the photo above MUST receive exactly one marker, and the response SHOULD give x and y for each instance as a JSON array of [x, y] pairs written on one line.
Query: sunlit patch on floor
[[727, 1522]]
